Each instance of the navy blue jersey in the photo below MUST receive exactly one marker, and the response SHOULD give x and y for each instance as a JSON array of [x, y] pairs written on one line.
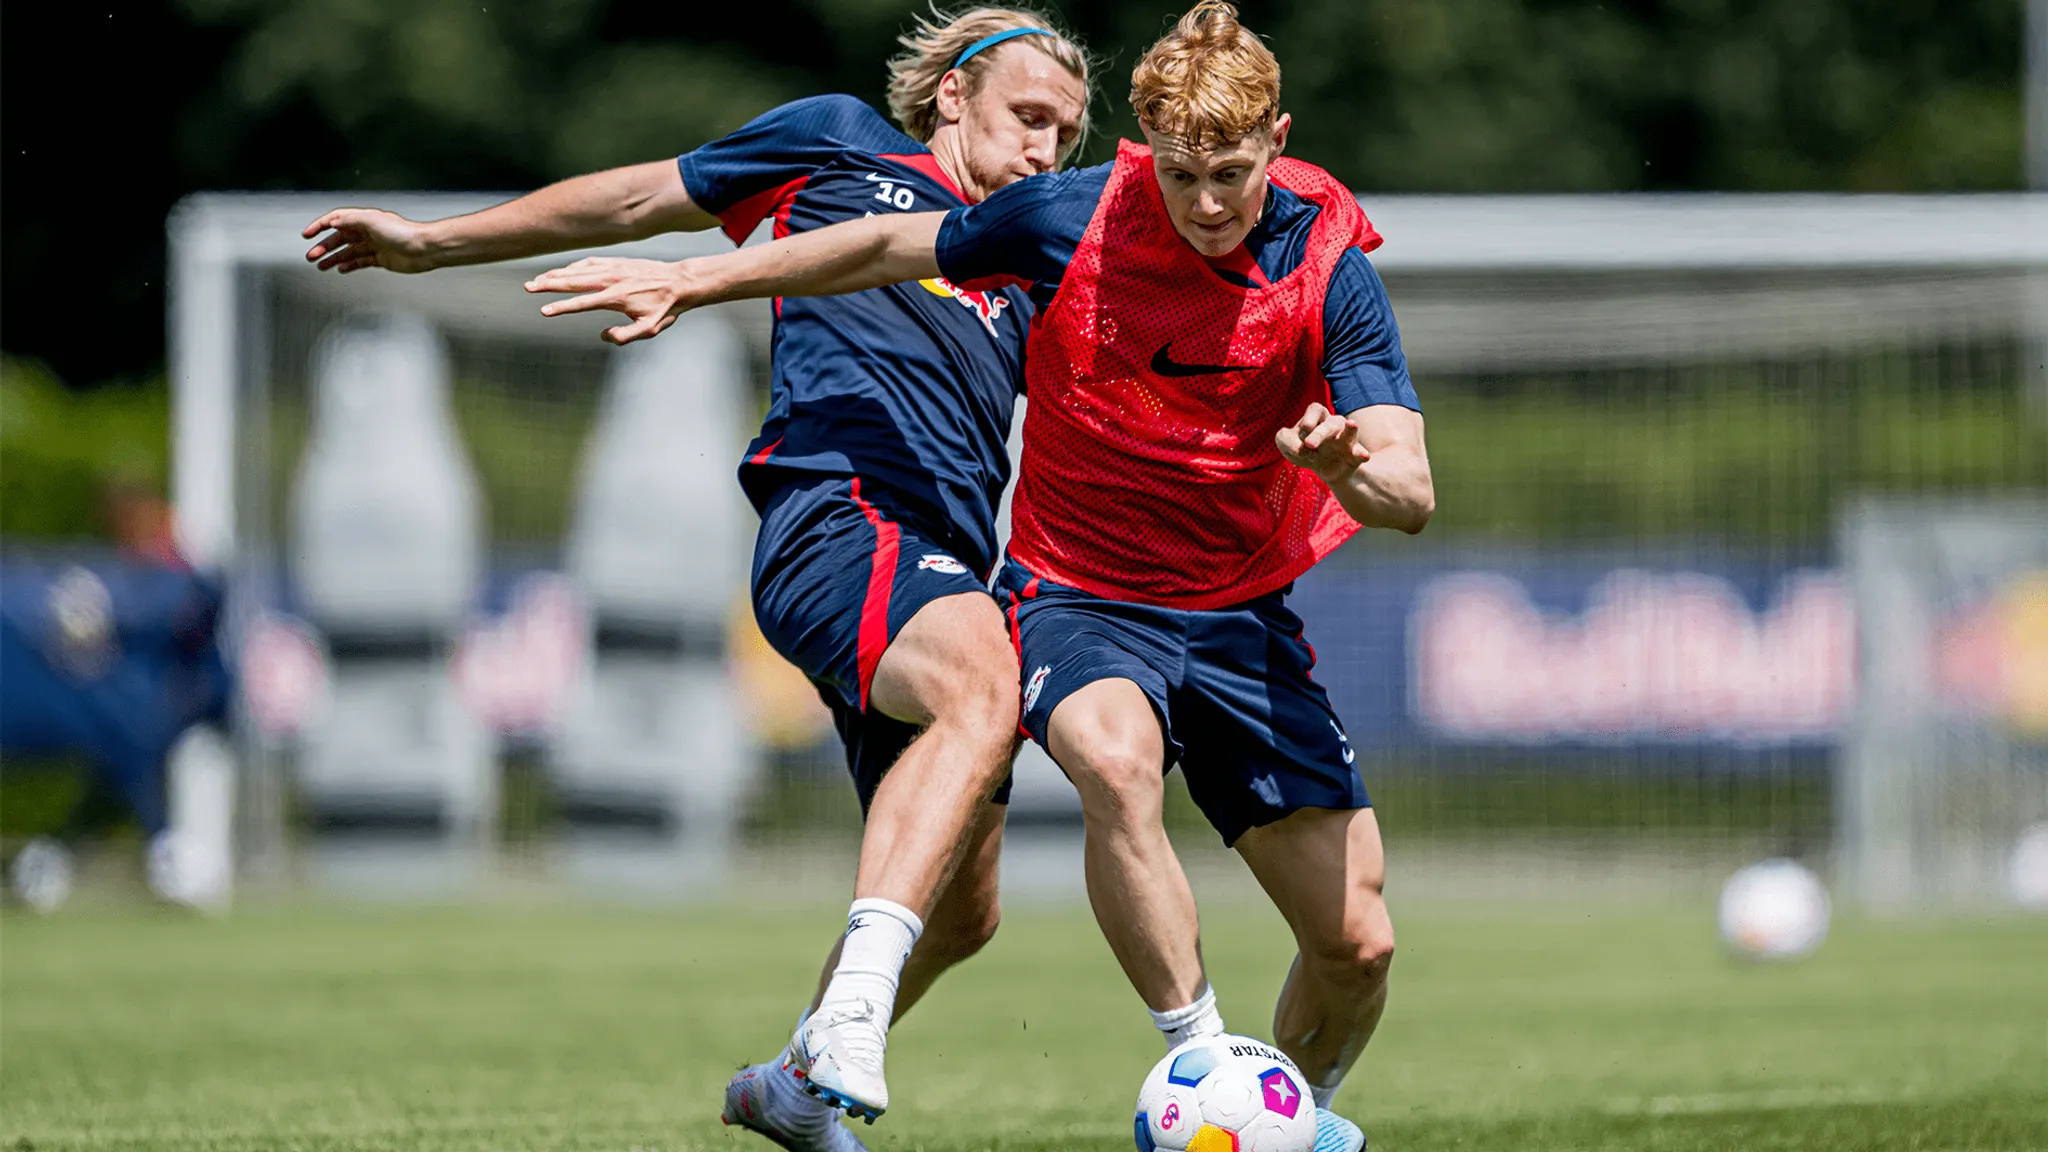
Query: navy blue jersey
[[1030, 230], [911, 386]]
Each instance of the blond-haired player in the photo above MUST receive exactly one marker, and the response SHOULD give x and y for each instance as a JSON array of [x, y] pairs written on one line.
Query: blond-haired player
[[877, 475], [1218, 400]]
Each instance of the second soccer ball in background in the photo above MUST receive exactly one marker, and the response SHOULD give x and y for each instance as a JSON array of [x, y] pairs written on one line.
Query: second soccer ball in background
[[1774, 910]]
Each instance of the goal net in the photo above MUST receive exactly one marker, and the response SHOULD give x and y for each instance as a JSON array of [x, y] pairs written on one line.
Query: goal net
[[1631, 649], [489, 573]]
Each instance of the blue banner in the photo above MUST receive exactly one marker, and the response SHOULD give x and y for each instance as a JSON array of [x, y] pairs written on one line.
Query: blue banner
[[1553, 648]]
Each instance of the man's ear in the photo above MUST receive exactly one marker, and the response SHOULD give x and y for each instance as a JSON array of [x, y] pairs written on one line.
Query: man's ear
[[1281, 124], [952, 97]]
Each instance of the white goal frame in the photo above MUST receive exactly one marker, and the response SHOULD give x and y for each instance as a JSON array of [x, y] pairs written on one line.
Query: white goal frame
[[1479, 283]]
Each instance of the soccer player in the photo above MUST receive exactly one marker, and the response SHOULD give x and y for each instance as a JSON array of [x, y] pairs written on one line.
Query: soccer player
[[1218, 400], [877, 475]]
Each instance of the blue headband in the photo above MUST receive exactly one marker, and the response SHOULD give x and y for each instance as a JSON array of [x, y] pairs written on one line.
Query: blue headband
[[998, 38]]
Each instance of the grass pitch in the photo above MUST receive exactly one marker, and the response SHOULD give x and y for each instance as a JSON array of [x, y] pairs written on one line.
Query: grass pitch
[[578, 1028]]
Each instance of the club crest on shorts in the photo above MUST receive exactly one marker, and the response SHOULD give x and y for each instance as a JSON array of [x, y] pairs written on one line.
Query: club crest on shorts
[[1035, 685], [940, 562]]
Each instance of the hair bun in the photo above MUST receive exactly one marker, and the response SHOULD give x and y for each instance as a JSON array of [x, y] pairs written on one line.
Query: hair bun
[[1211, 22], [1209, 81]]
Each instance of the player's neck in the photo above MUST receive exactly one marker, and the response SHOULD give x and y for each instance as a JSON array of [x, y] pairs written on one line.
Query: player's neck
[[949, 147]]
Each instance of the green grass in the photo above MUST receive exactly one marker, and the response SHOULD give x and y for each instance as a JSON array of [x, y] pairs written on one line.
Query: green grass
[[567, 1028]]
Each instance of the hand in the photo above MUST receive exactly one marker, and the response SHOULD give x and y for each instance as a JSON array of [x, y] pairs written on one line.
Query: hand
[[1324, 443], [649, 292], [368, 238]]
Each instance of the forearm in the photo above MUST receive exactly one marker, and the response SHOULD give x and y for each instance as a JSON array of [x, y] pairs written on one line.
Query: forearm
[[610, 207], [849, 257], [1391, 490]]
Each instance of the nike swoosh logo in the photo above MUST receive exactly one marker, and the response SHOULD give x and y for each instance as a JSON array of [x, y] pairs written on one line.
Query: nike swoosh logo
[[1164, 364]]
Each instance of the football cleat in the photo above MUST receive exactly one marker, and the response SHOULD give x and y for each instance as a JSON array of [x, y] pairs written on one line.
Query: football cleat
[[766, 1099], [1336, 1134], [838, 1056]]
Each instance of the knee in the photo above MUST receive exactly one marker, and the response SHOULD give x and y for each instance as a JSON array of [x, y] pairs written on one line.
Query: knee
[[1360, 957], [1120, 781]]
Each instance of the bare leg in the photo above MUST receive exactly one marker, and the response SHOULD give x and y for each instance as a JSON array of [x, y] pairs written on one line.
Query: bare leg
[[952, 669], [952, 672], [962, 921], [1107, 739], [1325, 870]]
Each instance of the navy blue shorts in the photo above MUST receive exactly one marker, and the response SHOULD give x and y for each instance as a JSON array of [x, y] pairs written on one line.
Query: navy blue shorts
[[1254, 735], [839, 569]]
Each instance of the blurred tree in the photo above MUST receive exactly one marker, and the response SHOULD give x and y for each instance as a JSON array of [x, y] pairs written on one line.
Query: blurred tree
[[1572, 95], [67, 459], [113, 111], [504, 94]]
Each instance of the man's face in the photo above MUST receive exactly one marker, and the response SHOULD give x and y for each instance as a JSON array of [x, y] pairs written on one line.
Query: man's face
[[1215, 197], [1026, 113]]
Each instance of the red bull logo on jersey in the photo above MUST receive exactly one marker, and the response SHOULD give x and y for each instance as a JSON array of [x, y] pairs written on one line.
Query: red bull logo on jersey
[[986, 305]]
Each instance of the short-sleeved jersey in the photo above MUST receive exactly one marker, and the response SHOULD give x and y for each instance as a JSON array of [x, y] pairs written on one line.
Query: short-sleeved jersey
[[911, 386], [1031, 229]]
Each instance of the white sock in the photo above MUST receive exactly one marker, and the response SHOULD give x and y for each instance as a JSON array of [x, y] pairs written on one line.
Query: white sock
[[1323, 1094], [879, 937], [1184, 1024]]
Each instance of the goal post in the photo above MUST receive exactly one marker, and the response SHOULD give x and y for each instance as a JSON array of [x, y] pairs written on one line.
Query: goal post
[[460, 535], [1634, 644], [219, 241]]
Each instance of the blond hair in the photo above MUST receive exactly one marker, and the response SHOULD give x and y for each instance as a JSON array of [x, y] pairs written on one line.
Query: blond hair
[[935, 42], [1207, 83]]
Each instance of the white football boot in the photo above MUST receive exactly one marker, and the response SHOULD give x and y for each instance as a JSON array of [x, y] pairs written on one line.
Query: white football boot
[[1336, 1134], [766, 1099], [839, 1052]]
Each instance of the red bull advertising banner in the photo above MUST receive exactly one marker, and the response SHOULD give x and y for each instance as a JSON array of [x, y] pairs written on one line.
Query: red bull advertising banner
[[1646, 655], [1581, 649], [1548, 649], [1990, 656]]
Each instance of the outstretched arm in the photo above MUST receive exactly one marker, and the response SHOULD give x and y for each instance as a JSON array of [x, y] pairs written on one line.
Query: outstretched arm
[[631, 203], [1374, 461], [847, 257]]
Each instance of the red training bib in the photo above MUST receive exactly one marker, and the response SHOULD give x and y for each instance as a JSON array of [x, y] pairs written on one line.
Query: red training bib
[[1149, 471]]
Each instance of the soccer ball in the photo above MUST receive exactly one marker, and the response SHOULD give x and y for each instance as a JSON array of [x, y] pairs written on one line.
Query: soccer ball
[[1226, 1094], [2027, 874], [1775, 910]]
